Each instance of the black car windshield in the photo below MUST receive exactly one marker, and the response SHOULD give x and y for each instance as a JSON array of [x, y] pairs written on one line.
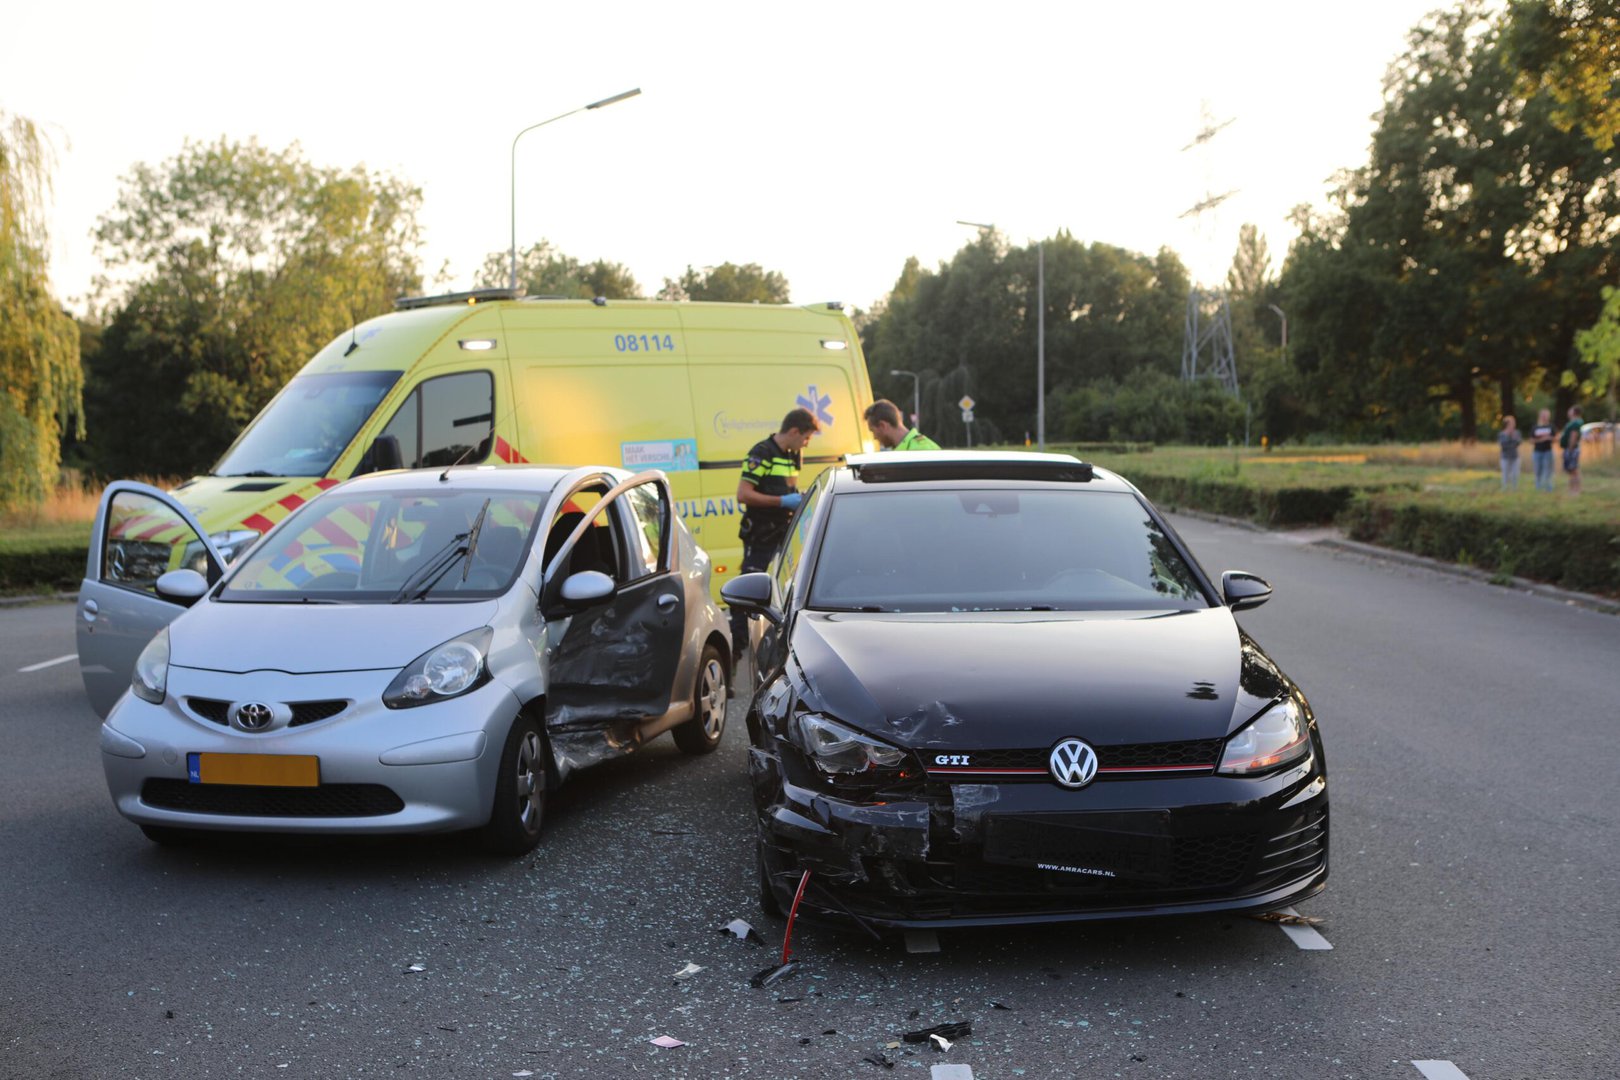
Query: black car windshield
[[997, 549], [386, 547], [304, 429]]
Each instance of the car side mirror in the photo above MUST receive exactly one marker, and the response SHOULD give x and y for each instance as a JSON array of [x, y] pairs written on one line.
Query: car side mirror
[[752, 593], [1242, 590], [182, 586], [585, 588]]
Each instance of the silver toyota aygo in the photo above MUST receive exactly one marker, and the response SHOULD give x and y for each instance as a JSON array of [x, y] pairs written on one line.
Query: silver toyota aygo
[[421, 651]]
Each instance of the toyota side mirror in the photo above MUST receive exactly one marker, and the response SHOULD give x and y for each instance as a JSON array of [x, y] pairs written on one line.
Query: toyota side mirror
[[585, 588], [1242, 590], [181, 586]]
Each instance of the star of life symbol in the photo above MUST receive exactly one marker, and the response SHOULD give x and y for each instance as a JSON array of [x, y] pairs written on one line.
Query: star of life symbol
[[817, 404]]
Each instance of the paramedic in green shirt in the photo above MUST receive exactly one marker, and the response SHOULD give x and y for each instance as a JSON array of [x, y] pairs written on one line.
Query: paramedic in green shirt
[[768, 494], [883, 421]]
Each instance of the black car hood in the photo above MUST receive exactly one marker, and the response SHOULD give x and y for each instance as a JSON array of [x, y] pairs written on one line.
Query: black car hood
[[1021, 679]]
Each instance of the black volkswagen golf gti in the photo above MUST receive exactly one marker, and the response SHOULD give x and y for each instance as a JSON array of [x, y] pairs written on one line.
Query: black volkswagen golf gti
[[997, 688]]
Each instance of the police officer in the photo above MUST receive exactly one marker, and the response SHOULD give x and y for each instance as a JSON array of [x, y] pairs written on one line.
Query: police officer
[[769, 493], [883, 421]]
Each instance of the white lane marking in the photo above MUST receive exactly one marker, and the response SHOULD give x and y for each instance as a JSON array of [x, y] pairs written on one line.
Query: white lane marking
[[1306, 937], [47, 663], [922, 941], [1440, 1070]]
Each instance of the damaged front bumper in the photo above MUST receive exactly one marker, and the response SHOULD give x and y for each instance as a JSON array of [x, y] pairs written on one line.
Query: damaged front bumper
[[1029, 852]]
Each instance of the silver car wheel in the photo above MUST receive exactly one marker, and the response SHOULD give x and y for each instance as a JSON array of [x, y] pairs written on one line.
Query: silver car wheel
[[712, 698], [531, 779]]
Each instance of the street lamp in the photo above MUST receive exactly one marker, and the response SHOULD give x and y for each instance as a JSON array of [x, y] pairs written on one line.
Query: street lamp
[[604, 103], [1040, 333], [916, 397], [1284, 319]]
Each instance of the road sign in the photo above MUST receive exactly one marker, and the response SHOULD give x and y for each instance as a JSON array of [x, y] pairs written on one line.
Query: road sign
[[967, 416], [966, 404]]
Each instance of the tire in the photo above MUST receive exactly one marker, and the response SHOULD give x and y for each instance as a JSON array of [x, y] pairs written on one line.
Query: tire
[[701, 734], [767, 899], [521, 788]]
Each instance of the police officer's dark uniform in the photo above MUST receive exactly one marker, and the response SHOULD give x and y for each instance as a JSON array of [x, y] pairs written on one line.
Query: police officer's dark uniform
[[771, 471]]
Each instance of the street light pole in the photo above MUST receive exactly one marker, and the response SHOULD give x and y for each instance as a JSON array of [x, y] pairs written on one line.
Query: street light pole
[[916, 397], [593, 105], [1040, 345], [1284, 319], [1040, 333]]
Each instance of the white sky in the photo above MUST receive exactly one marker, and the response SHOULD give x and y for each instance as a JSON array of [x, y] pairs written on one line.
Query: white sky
[[828, 141]]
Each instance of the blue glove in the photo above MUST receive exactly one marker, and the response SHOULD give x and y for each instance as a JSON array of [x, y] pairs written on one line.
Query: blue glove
[[791, 500]]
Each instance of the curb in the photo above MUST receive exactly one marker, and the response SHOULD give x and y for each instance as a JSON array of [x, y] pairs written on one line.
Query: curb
[[1601, 604], [23, 601]]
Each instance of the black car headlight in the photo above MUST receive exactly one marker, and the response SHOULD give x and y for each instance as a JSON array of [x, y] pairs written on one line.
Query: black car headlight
[[445, 671], [844, 752], [1277, 737]]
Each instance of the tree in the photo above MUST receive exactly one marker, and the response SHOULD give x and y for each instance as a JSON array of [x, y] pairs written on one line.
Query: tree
[[746, 284], [41, 380], [545, 271], [237, 263], [1570, 49], [1467, 251], [975, 322]]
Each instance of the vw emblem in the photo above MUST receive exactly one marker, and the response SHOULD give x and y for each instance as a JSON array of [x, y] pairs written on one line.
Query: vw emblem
[[254, 716], [1073, 763]]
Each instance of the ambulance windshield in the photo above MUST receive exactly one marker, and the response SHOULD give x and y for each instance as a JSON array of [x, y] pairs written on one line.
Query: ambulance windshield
[[307, 425]]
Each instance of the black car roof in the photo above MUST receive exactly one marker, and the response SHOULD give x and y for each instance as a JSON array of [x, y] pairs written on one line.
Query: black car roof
[[951, 468]]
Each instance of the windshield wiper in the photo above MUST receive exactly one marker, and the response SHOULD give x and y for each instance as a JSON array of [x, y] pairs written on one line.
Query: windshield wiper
[[255, 472], [472, 540], [435, 568]]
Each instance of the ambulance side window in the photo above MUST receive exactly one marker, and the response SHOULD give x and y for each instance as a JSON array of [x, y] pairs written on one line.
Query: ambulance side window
[[446, 421]]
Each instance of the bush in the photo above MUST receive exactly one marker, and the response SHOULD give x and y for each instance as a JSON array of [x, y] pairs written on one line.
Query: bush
[[1574, 553], [42, 569]]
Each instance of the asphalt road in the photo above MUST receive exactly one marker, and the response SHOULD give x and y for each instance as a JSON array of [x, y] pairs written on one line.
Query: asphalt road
[[1471, 735]]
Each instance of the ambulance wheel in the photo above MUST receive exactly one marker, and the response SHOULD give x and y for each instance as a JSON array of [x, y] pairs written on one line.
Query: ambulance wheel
[[701, 734], [521, 787]]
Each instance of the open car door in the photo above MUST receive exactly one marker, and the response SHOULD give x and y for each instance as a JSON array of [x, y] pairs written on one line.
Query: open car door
[[613, 665], [140, 534]]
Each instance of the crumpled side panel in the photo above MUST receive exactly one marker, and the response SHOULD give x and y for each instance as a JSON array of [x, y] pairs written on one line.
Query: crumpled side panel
[[971, 803]]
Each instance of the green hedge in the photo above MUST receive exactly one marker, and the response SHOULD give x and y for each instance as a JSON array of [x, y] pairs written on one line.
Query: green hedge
[[41, 570], [1285, 504], [1573, 553]]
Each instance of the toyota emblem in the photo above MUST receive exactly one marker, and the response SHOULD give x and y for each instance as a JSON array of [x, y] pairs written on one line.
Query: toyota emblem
[[253, 716], [1073, 763]]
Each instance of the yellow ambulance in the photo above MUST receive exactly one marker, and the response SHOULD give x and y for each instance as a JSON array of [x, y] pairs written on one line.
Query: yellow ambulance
[[488, 377]]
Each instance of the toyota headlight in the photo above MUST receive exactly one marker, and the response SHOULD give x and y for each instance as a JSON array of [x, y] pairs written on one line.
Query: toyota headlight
[[150, 680], [1275, 738], [843, 751], [445, 671]]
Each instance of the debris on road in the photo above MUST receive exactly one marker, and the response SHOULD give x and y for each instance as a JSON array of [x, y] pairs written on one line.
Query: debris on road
[[772, 975], [666, 1042], [958, 1030], [414, 968], [1285, 918], [941, 1043], [740, 930], [881, 1060], [687, 972]]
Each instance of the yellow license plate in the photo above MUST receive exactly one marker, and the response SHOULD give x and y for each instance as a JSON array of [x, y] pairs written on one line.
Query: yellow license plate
[[258, 770]]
